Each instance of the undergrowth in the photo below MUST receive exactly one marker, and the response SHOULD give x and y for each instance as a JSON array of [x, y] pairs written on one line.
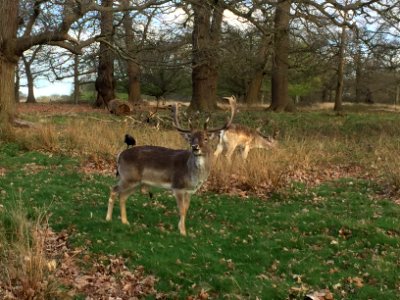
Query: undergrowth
[[340, 235]]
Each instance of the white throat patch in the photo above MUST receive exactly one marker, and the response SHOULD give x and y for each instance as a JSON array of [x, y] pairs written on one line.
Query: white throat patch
[[200, 162]]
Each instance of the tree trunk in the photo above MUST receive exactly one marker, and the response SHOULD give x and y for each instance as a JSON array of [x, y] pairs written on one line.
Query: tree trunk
[[29, 78], [253, 94], [358, 65], [134, 92], [17, 84], [133, 69], [340, 72], [8, 59], [205, 39], [280, 59], [76, 79], [358, 77], [105, 83], [7, 102]]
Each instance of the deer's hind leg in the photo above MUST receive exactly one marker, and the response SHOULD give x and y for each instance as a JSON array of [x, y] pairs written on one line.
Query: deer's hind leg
[[122, 191], [111, 200]]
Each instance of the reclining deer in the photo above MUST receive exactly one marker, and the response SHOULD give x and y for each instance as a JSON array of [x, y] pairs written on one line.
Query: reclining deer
[[182, 171], [241, 136]]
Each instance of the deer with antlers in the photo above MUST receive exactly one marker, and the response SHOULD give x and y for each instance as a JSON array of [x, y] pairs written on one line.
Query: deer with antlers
[[237, 135], [182, 171]]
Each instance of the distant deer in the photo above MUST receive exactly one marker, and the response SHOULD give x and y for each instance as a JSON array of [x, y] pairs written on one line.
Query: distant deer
[[241, 136], [182, 171]]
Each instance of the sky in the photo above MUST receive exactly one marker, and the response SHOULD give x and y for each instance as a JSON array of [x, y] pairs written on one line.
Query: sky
[[45, 88]]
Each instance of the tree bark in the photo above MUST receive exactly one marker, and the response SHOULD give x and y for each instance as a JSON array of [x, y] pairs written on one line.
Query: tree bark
[[105, 82], [8, 59], [76, 79], [205, 37], [340, 72], [17, 84], [280, 59], [358, 65], [7, 102], [29, 77], [253, 93], [133, 69]]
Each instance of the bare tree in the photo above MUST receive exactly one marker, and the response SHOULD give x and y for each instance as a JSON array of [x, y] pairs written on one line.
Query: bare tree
[[105, 82], [280, 58], [8, 58], [54, 32], [30, 76], [342, 43], [253, 92], [205, 39], [132, 66]]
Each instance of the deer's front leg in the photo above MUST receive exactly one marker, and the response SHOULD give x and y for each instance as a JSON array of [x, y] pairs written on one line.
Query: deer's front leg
[[183, 201], [229, 152], [245, 152], [219, 150], [111, 200]]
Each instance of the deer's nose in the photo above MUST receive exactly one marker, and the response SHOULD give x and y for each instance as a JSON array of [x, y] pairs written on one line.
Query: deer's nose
[[195, 147]]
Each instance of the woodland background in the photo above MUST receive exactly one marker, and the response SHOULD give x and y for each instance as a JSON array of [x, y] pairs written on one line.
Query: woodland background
[[282, 53], [318, 220]]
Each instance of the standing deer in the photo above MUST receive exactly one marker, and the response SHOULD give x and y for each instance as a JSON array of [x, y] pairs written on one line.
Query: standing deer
[[182, 171], [242, 136]]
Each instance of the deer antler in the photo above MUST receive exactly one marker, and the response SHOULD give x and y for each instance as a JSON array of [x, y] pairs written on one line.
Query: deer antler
[[176, 123], [232, 103]]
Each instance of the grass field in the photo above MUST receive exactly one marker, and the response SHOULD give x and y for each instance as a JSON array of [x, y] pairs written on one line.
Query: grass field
[[326, 221]]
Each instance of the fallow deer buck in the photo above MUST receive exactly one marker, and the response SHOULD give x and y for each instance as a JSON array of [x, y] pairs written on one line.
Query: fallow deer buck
[[182, 171], [241, 136]]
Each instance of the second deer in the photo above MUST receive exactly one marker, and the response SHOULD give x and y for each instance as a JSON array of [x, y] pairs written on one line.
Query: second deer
[[241, 136]]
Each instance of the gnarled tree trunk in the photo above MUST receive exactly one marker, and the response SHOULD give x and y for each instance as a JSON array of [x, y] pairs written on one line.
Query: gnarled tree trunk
[[340, 72], [105, 82], [7, 101], [253, 93], [8, 59], [76, 93], [205, 38], [280, 58], [133, 69], [29, 78], [17, 83]]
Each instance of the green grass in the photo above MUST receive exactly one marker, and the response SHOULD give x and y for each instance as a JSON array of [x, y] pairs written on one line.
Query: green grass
[[320, 237]]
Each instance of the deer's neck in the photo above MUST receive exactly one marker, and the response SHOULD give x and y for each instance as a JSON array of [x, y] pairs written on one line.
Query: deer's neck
[[199, 169]]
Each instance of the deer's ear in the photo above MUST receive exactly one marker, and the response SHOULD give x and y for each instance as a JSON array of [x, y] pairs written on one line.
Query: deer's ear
[[187, 136], [213, 135]]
